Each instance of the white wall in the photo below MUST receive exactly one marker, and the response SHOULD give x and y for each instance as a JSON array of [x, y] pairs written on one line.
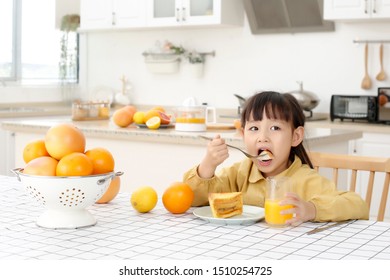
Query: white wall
[[327, 63]]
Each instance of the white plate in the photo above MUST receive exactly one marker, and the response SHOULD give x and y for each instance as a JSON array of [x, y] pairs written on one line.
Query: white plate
[[250, 215], [161, 126]]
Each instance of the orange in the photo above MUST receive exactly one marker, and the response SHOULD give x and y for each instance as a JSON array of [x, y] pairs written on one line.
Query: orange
[[43, 166], [178, 197], [64, 139], [102, 160], [34, 149], [122, 117], [112, 190], [74, 164], [150, 114]]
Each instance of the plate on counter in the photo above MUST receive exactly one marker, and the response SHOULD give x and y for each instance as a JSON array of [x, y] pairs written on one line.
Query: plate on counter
[[250, 215], [161, 126]]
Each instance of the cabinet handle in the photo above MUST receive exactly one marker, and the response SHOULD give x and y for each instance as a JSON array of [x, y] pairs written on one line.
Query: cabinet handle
[[366, 6], [374, 6], [183, 16], [177, 14], [113, 18]]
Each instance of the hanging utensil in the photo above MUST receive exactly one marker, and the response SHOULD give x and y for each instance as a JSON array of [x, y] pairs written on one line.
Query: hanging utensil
[[366, 82], [381, 75]]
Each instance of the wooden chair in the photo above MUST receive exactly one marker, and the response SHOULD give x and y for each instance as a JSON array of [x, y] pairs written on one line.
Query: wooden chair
[[357, 165]]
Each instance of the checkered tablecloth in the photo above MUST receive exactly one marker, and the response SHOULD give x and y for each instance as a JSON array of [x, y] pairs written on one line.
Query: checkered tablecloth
[[122, 233]]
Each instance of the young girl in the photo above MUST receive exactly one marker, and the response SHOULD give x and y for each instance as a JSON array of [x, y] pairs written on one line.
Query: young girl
[[274, 122]]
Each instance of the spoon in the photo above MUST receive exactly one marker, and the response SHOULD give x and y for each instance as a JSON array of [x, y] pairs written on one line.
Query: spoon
[[366, 83], [234, 147], [381, 75]]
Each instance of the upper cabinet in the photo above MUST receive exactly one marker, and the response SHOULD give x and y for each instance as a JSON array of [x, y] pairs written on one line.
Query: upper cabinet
[[194, 12], [105, 14], [111, 14], [356, 9]]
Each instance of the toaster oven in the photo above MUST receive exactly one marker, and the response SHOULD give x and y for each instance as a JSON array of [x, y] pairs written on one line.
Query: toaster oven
[[354, 107]]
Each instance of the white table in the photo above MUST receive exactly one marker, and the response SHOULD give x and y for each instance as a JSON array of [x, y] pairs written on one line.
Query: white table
[[122, 233]]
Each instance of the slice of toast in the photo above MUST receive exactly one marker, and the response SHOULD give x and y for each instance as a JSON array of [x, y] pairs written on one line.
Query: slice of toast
[[225, 205]]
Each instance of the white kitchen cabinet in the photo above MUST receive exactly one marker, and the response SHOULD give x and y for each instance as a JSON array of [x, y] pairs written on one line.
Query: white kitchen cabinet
[[356, 9], [163, 13], [373, 144], [106, 14], [376, 145]]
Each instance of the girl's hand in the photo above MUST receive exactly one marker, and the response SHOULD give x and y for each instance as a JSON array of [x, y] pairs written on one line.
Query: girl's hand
[[304, 211], [217, 152]]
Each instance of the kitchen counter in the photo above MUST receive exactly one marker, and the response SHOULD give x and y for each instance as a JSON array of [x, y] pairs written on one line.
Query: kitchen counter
[[21, 110], [121, 233], [108, 130], [349, 125]]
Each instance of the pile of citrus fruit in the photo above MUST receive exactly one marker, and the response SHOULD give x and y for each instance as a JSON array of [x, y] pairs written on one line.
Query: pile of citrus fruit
[[177, 198], [62, 152], [152, 118]]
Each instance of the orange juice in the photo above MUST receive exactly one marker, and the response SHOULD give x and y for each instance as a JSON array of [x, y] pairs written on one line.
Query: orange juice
[[190, 120], [272, 213]]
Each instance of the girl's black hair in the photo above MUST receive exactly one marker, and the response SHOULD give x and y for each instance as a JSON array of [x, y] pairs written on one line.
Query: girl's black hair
[[281, 106]]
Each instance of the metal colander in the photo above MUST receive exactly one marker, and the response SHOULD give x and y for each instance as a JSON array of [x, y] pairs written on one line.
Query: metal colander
[[65, 198]]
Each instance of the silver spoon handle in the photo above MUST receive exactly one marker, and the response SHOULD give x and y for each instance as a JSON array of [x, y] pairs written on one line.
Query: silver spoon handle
[[234, 147]]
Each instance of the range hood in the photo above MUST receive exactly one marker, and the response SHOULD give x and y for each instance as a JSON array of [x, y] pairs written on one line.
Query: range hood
[[286, 16]]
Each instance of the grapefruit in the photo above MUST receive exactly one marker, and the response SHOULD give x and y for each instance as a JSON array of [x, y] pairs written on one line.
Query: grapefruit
[[112, 191], [64, 139], [122, 117], [42, 166]]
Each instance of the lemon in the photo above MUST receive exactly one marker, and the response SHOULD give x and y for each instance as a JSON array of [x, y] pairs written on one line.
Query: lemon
[[144, 199], [153, 123], [138, 117]]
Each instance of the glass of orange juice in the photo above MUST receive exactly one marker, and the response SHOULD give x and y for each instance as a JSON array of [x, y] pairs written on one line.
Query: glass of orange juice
[[276, 189]]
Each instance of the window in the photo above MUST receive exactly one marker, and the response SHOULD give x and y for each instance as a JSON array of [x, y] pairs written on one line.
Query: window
[[7, 46], [34, 51]]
